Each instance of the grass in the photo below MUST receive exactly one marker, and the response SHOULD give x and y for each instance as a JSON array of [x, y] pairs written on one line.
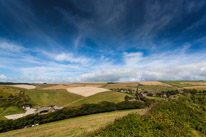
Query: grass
[[126, 85], [51, 97], [180, 117], [6, 91], [156, 89], [72, 127], [9, 111], [196, 87], [155, 98], [181, 84], [41, 86], [110, 96]]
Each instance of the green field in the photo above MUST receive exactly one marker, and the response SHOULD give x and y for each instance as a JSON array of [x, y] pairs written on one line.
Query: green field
[[156, 98], [72, 127], [109, 96], [156, 89], [9, 111], [41, 86], [180, 84], [5, 91], [51, 97], [125, 85]]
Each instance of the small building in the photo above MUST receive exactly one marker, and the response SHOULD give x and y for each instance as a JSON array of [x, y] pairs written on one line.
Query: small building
[[44, 110], [26, 107], [57, 108]]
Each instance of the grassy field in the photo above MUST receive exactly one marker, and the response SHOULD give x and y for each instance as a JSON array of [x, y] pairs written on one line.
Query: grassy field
[[41, 86], [196, 87], [72, 127], [6, 91], [126, 85], [156, 98], [51, 97], [156, 89], [9, 111], [110, 96], [181, 84]]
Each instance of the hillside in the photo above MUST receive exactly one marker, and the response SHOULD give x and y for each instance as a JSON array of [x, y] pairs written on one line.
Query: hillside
[[71, 127], [109, 96], [51, 97], [180, 116]]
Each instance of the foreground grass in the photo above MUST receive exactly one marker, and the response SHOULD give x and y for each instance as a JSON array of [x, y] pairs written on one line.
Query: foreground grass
[[9, 111], [109, 96], [51, 97], [181, 116], [72, 127]]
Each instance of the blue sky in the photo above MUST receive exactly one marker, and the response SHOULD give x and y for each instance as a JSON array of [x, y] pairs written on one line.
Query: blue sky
[[108, 40]]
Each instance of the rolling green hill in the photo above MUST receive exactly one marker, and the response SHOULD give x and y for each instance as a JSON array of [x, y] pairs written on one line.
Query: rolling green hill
[[109, 96], [51, 97], [5, 91]]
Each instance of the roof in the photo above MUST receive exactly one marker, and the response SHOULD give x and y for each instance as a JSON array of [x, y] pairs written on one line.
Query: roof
[[56, 107], [43, 109]]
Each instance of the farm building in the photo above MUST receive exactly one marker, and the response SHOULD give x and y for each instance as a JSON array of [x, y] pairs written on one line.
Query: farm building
[[45, 110]]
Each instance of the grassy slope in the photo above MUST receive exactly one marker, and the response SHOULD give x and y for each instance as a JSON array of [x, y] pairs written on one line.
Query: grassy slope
[[71, 127], [110, 96], [51, 97], [156, 89], [6, 91], [9, 111], [41, 86], [155, 98], [126, 85], [182, 116], [196, 87]]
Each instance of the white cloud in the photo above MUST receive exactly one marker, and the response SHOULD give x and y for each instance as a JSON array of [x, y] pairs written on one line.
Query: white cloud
[[11, 47], [71, 58], [67, 67], [2, 77]]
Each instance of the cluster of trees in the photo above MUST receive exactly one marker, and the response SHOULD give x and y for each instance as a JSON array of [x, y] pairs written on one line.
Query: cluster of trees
[[67, 112], [18, 100], [167, 93], [11, 83], [181, 116], [194, 91]]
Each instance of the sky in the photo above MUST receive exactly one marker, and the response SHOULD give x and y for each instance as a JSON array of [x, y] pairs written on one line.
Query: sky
[[64, 41]]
